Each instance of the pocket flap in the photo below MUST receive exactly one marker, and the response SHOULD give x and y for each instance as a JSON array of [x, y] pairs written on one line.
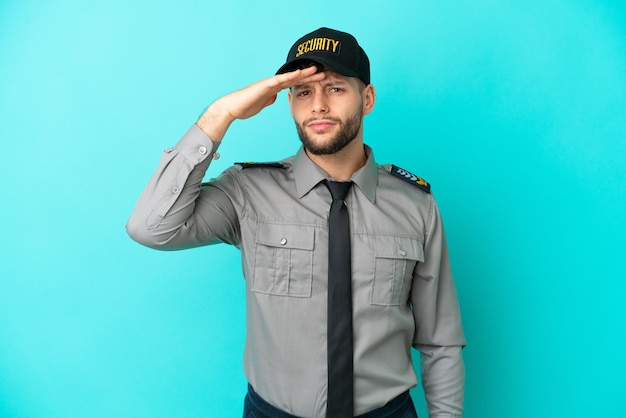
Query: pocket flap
[[388, 246], [285, 236]]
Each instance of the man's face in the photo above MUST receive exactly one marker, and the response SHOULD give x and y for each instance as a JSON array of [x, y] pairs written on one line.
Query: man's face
[[329, 113]]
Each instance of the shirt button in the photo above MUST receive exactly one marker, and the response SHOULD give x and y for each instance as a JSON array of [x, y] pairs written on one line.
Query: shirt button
[[216, 156], [175, 189], [202, 150], [402, 253], [283, 241]]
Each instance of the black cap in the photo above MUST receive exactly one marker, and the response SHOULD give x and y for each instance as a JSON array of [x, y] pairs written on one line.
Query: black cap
[[338, 51]]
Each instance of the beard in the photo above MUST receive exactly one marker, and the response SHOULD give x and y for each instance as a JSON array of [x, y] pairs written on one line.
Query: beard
[[348, 130]]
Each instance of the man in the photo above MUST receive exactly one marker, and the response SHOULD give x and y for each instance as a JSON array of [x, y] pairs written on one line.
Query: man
[[338, 288]]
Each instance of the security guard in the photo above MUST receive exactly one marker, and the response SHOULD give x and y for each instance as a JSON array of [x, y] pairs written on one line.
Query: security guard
[[395, 260]]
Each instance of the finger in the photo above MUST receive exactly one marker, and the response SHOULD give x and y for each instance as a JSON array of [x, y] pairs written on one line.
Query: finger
[[310, 79], [291, 78], [300, 72]]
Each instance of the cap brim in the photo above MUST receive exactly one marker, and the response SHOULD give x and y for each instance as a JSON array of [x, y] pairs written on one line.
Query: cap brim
[[338, 68]]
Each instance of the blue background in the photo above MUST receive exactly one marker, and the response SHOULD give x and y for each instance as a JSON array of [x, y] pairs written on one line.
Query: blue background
[[514, 111]]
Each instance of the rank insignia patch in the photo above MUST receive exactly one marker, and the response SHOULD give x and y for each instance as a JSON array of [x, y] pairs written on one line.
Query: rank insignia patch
[[410, 177]]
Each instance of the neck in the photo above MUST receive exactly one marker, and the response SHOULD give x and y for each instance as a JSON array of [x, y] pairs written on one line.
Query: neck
[[343, 164]]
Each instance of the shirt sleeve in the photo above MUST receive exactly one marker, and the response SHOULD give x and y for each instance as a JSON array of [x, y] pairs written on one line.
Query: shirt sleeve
[[438, 331], [175, 210]]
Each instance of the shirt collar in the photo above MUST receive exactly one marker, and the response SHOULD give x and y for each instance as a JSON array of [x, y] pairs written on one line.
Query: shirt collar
[[307, 174]]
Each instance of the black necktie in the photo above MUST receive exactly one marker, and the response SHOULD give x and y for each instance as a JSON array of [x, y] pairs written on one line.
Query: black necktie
[[340, 373]]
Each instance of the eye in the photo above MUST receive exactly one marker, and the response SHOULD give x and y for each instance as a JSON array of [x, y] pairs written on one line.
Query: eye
[[336, 89], [303, 93]]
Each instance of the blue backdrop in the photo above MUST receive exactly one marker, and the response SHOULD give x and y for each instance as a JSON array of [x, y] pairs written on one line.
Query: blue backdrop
[[514, 111]]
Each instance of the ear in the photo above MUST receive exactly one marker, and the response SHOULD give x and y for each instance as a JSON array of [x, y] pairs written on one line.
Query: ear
[[369, 98]]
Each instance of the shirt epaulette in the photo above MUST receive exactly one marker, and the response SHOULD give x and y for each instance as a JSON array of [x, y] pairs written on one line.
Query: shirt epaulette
[[253, 164], [406, 176]]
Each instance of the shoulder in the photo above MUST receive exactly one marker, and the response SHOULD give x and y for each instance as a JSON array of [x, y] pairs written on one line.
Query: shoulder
[[252, 177], [407, 176], [261, 172]]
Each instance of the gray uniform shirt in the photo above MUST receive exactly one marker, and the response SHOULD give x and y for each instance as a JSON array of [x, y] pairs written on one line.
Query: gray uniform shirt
[[403, 292]]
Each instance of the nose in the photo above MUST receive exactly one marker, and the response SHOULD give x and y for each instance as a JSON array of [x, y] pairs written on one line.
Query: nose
[[319, 103]]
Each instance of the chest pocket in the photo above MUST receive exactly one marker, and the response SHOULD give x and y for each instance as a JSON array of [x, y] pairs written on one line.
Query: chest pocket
[[283, 260], [394, 258]]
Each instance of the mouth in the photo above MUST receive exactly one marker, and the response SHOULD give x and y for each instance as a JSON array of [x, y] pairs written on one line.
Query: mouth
[[321, 125]]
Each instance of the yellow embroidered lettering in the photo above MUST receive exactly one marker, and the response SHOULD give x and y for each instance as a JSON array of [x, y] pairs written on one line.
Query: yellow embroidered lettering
[[317, 44]]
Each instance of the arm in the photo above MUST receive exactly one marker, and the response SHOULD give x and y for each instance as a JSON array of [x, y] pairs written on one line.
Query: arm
[[173, 212], [439, 334]]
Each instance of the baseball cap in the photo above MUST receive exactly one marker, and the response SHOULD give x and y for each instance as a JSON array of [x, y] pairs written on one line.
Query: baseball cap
[[338, 51]]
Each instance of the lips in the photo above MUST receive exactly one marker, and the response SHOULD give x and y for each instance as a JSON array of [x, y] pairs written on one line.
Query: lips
[[321, 125]]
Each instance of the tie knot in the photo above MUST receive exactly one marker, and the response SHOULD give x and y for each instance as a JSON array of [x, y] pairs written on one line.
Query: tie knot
[[338, 189]]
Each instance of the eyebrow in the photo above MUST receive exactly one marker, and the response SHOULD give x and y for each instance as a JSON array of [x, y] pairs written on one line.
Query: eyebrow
[[325, 83]]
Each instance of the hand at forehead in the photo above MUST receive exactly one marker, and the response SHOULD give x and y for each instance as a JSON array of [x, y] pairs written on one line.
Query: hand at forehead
[[302, 76]]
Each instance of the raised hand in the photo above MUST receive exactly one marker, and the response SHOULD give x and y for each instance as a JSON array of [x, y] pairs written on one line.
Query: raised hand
[[250, 100]]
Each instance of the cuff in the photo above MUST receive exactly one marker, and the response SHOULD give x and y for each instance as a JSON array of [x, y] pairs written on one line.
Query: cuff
[[196, 146]]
